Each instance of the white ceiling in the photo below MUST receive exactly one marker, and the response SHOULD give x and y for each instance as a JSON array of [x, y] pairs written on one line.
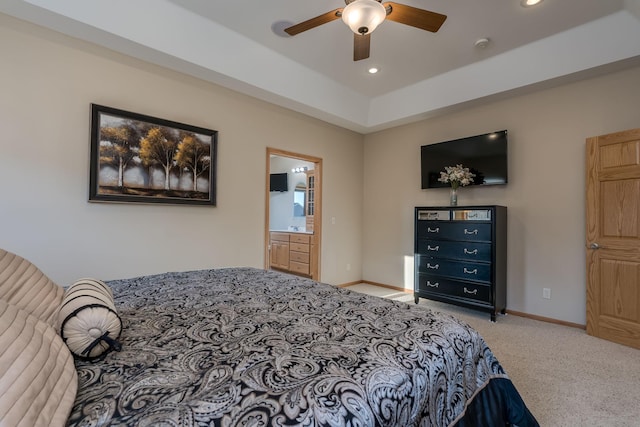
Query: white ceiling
[[240, 44]]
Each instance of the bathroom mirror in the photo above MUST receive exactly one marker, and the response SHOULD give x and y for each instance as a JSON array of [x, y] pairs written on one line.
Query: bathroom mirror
[[298, 199]]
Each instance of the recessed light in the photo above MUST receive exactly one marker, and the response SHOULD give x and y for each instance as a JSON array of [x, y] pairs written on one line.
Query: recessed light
[[529, 3], [373, 70]]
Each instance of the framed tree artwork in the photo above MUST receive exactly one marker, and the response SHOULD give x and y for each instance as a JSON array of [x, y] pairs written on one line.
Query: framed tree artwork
[[144, 159]]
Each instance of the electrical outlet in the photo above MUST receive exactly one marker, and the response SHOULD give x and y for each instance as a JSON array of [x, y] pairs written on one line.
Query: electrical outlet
[[546, 293]]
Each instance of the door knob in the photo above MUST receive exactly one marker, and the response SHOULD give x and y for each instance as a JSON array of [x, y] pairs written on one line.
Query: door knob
[[594, 246]]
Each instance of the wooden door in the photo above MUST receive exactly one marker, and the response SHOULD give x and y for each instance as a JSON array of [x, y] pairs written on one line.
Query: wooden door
[[279, 250], [613, 237], [280, 255]]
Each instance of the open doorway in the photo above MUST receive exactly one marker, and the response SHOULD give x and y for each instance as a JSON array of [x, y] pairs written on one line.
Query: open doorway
[[293, 214]]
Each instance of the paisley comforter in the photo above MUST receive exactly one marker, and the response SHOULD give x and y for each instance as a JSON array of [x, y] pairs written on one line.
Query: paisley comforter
[[248, 347]]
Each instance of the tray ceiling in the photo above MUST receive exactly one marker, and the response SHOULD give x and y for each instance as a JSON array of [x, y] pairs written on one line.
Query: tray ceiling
[[241, 45]]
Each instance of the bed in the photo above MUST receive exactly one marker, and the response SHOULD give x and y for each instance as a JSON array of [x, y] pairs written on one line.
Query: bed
[[248, 347]]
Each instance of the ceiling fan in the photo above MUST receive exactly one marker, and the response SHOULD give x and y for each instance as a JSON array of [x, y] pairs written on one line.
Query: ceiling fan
[[363, 16]]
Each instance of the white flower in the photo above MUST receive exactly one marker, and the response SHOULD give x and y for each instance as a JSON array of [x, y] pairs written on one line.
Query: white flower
[[456, 176]]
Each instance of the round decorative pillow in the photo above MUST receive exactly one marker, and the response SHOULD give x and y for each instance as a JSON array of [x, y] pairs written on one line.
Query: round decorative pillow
[[88, 321]]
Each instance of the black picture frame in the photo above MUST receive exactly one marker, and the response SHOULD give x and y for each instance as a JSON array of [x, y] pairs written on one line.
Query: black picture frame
[[142, 159]]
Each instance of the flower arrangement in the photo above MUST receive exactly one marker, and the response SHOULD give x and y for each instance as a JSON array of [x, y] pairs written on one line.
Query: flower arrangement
[[456, 176]]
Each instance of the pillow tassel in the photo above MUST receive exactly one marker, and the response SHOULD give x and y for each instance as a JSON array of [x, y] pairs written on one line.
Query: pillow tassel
[[113, 344]]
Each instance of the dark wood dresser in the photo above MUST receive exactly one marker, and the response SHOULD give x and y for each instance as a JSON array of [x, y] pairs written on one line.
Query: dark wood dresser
[[460, 256]]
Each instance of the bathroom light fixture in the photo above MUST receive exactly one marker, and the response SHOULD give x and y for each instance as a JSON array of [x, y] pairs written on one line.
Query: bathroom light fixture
[[301, 169], [363, 16]]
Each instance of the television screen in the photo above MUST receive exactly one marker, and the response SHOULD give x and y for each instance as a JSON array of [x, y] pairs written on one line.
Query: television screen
[[278, 182], [485, 156]]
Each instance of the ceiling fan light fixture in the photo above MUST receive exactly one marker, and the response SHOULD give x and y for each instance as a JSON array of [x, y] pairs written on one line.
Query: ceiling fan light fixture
[[364, 16]]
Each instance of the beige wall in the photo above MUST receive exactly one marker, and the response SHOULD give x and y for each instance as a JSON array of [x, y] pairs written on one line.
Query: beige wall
[[544, 196], [47, 83]]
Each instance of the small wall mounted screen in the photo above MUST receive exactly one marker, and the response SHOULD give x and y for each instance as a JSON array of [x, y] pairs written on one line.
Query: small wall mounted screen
[[485, 155], [278, 182]]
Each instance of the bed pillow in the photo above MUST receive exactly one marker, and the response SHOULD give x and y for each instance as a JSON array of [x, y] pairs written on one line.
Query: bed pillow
[[88, 321], [38, 380], [22, 284]]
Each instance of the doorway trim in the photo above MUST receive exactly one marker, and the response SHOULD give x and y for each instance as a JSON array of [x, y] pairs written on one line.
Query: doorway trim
[[317, 223]]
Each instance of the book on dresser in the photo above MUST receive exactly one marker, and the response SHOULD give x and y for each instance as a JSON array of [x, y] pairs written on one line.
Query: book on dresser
[[460, 256]]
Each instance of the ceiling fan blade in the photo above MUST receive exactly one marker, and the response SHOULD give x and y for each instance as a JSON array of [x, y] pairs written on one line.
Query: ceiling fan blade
[[314, 22], [419, 18], [361, 45]]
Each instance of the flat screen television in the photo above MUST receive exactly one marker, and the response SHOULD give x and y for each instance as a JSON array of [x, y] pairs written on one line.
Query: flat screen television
[[485, 155], [278, 182]]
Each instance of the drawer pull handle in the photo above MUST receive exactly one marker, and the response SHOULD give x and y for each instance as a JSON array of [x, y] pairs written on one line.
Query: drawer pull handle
[[432, 285], [474, 231], [473, 252], [467, 291], [474, 271], [433, 267], [433, 230], [433, 248]]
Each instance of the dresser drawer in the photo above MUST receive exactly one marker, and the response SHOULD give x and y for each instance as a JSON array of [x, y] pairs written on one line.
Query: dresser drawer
[[299, 238], [280, 237], [468, 251], [442, 286], [299, 247], [468, 231], [456, 269], [298, 267], [299, 257]]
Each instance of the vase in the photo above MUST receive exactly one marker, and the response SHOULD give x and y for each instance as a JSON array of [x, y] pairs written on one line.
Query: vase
[[453, 197]]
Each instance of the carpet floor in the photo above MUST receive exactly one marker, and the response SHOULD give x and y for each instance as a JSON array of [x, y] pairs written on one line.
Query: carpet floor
[[566, 377]]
